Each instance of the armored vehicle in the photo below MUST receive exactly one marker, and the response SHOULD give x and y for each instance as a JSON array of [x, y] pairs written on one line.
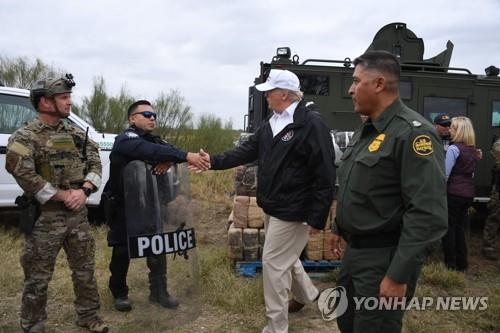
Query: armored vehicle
[[428, 86]]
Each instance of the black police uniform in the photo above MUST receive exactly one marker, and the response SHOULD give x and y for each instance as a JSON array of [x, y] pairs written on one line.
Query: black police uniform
[[133, 144]]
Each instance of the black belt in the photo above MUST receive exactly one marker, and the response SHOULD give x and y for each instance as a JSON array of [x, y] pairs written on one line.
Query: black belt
[[374, 241]]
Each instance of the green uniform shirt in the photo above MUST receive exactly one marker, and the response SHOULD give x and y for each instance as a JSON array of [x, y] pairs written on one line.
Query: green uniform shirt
[[392, 179]]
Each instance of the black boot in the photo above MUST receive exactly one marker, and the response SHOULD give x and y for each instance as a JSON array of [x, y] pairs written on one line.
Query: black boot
[[159, 293], [122, 304]]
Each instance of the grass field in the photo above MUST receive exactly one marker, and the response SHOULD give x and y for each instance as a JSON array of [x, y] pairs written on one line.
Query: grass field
[[224, 302]]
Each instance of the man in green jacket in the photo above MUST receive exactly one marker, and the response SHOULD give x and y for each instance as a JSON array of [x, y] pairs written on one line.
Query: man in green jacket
[[391, 199]]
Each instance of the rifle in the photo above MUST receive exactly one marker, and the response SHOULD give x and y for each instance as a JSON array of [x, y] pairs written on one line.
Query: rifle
[[84, 148]]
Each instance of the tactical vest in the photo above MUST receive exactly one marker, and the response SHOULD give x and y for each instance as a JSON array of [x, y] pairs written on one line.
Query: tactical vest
[[58, 158]]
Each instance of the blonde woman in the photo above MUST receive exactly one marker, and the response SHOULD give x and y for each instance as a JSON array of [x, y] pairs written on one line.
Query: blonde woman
[[461, 159]]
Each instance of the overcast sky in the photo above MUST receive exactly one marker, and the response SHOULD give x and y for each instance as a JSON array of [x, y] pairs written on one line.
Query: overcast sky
[[211, 50]]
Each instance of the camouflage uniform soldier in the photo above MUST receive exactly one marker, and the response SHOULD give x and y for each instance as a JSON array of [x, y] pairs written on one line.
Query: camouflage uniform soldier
[[493, 222], [47, 157]]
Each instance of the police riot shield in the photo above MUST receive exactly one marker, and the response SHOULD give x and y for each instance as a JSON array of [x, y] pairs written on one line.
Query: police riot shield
[[162, 243]]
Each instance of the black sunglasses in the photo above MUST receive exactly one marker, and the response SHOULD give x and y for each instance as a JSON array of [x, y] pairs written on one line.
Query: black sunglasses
[[147, 114]]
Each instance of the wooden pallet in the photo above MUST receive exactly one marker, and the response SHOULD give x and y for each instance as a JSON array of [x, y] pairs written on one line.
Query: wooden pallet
[[249, 268]]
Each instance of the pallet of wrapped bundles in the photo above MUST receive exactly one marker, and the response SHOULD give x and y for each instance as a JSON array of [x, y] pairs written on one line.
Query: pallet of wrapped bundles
[[327, 250], [245, 180], [240, 211], [255, 214], [251, 244], [327, 253], [314, 248], [235, 242]]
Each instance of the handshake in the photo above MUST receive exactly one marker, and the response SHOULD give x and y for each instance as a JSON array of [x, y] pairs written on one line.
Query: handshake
[[198, 162]]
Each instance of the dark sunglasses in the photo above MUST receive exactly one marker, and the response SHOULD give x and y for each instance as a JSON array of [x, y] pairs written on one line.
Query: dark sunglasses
[[147, 114]]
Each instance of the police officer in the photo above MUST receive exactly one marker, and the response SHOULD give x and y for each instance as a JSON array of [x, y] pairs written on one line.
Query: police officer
[[492, 224], [56, 165], [392, 196], [138, 143]]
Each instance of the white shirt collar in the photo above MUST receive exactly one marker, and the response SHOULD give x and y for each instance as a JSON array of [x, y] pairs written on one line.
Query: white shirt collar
[[288, 112], [280, 120]]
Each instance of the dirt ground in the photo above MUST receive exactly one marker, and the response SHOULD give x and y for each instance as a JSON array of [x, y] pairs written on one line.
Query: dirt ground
[[211, 231]]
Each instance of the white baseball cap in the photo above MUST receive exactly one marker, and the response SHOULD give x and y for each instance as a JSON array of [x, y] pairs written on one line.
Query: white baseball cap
[[280, 78]]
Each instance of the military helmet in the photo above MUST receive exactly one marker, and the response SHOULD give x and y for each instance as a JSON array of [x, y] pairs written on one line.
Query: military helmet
[[51, 86]]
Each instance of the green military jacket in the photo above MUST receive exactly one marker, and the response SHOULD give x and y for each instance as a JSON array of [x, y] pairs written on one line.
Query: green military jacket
[[392, 179], [45, 158]]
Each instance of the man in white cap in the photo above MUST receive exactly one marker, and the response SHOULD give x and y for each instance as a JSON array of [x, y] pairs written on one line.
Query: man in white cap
[[295, 185]]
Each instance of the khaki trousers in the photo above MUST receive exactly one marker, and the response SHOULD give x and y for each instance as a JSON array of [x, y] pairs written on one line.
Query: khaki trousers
[[282, 271]]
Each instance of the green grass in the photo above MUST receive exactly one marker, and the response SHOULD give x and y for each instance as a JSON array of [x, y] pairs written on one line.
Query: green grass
[[213, 186], [437, 275], [224, 289]]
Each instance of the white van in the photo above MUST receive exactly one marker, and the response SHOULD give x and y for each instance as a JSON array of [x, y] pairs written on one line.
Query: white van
[[15, 110]]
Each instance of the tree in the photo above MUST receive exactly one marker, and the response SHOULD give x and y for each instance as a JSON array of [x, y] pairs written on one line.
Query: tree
[[21, 73], [174, 115], [107, 114], [212, 135]]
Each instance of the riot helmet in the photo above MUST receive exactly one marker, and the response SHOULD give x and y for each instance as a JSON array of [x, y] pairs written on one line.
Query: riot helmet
[[51, 86]]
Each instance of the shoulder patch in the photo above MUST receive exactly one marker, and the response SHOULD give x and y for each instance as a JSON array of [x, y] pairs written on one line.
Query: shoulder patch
[[131, 134], [422, 145], [19, 149]]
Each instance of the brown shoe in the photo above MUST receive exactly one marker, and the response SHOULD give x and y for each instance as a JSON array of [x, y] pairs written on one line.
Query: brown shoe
[[94, 325], [294, 306]]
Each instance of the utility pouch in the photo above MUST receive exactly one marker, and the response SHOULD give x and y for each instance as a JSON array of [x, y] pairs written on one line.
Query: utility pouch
[[109, 204]]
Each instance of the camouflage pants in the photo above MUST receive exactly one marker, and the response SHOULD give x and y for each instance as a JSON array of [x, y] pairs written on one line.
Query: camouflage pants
[[55, 230], [492, 222]]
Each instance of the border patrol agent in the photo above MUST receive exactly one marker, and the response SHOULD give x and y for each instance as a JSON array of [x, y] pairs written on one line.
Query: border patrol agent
[[392, 196], [442, 124], [58, 167]]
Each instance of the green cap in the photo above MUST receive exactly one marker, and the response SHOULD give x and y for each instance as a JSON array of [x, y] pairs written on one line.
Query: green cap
[[50, 87]]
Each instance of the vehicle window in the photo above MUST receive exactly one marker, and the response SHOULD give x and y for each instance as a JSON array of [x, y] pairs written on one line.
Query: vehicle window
[[454, 107], [315, 84], [405, 89], [14, 112], [495, 114]]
